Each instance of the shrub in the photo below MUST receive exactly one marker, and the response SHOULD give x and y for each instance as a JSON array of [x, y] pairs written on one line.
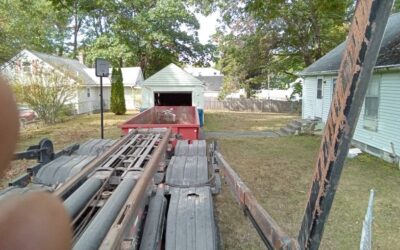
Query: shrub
[[47, 92], [117, 102]]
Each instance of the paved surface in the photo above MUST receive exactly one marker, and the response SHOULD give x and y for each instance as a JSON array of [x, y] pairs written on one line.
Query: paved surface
[[238, 134]]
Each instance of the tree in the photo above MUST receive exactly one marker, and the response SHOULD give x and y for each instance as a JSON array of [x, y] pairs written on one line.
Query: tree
[[267, 42], [396, 6], [46, 91], [117, 92], [30, 25], [153, 32]]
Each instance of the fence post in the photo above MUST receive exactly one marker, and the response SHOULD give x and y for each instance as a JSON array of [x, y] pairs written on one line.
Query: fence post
[[366, 234]]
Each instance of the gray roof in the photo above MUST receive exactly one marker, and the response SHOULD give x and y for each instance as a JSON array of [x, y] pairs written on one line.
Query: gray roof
[[389, 54], [213, 83], [75, 69], [174, 76], [131, 76]]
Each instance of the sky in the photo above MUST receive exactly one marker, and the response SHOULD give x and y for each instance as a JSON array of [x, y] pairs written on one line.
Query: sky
[[208, 26]]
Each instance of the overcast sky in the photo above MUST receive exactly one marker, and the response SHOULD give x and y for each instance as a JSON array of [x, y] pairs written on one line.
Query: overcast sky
[[207, 26]]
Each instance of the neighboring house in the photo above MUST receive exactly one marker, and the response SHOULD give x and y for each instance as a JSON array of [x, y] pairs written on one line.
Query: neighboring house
[[172, 86], [280, 94], [132, 79], [212, 78], [86, 99], [378, 127]]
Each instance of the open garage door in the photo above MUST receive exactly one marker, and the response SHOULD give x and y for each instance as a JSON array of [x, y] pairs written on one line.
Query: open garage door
[[173, 99]]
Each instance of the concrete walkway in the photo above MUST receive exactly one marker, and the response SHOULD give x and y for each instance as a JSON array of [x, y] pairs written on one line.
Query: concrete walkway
[[239, 134]]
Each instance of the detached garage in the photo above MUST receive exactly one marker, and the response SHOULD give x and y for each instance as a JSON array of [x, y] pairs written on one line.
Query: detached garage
[[172, 86]]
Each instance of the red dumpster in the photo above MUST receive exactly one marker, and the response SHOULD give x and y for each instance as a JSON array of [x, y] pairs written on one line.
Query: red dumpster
[[183, 120]]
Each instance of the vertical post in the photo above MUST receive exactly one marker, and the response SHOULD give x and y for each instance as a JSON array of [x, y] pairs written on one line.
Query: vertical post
[[101, 108], [358, 61], [366, 233], [101, 70]]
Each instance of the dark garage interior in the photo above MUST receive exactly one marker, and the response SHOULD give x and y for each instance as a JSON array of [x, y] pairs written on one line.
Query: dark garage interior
[[173, 99]]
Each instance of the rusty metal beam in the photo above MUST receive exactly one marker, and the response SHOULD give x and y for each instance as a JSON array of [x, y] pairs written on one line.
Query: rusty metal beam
[[130, 209], [359, 59], [272, 235]]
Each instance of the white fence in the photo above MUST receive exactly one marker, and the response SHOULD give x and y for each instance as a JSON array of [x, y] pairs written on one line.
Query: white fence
[[366, 234], [253, 105]]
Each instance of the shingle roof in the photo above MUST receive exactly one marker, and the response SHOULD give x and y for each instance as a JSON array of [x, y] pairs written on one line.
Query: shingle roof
[[197, 71], [172, 75], [74, 67], [130, 76], [213, 83], [389, 53]]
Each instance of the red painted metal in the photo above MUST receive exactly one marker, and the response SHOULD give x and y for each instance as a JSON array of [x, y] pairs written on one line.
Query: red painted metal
[[183, 120]]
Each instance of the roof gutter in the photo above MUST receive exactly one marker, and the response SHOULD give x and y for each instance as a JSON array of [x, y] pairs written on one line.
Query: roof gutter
[[393, 67]]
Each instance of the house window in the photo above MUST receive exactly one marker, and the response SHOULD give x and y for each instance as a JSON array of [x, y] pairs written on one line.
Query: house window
[[26, 67], [319, 89], [333, 86], [88, 92], [371, 106]]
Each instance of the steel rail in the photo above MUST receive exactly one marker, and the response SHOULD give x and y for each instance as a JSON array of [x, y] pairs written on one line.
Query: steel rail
[[363, 44], [66, 187], [79, 199], [129, 211]]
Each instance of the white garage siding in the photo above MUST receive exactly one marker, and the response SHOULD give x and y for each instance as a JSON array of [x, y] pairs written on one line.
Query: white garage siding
[[172, 79]]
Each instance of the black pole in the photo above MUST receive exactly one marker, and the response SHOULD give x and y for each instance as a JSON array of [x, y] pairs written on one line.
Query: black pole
[[101, 107]]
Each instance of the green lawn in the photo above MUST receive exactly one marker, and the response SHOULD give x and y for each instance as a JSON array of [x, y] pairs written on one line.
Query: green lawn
[[245, 121], [279, 172], [73, 130]]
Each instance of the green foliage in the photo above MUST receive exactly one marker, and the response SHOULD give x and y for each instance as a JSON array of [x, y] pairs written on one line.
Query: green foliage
[[30, 25], [149, 34], [47, 92], [117, 92], [297, 90], [396, 6], [265, 43]]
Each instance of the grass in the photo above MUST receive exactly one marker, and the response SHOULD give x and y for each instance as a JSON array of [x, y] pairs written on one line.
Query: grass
[[279, 172], [244, 121], [74, 130]]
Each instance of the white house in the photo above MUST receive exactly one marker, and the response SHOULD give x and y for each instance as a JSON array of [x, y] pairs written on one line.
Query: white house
[[172, 86], [212, 78], [378, 127], [87, 94], [132, 79]]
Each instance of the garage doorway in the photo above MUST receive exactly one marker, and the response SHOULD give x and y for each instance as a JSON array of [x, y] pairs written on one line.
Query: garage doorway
[[173, 99]]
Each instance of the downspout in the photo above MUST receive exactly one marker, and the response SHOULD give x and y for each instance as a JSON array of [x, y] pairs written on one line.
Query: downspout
[[396, 157]]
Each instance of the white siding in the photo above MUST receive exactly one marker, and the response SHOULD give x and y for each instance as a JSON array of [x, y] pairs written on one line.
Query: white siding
[[148, 94], [388, 114], [327, 96], [388, 117], [129, 98], [309, 96]]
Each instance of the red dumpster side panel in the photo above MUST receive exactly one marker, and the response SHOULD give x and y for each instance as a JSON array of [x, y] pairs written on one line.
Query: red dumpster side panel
[[183, 120]]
